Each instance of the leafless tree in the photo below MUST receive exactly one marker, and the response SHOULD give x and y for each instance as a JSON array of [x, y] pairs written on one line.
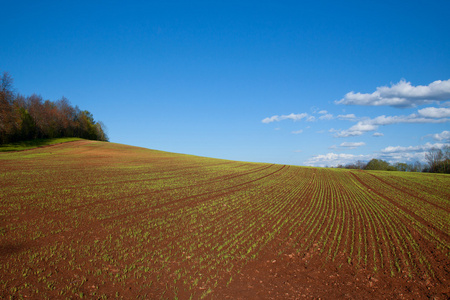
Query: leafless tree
[[434, 157], [9, 114]]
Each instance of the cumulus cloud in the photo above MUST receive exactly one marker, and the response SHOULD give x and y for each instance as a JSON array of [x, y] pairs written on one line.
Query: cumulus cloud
[[402, 94], [303, 116], [346, 117], [334, 159], [352, 145], [433, 112], [392, 154], [372, 124], [407, 154], [419, 148], [443, 136], [294, 117], [326, 117], [378, 134], [358, 129]]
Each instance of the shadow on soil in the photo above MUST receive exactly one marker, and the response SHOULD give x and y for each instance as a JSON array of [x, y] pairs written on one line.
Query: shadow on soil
[[9, 249]]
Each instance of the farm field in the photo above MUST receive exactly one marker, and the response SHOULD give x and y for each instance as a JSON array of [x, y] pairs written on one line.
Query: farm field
[[100, 220]]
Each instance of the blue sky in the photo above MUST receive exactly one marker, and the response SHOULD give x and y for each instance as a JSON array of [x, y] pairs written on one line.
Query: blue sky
[[304, 83]]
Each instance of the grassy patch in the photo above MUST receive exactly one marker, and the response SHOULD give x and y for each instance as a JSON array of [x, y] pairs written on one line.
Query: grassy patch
[[25, 145]]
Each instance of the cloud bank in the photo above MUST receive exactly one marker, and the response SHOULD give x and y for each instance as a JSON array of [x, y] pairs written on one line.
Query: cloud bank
[[426, 115], [334, 159], [444, 136], [392, 154], [402, 94], [433, 112]]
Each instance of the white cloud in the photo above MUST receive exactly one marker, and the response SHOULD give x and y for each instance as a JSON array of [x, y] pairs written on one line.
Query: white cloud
[[358, 129], [323, 112], [433, 112], [372, 124], [326, 117], [334, 159], [443, 136], [402, 157], [419, 148], [378, 134], [408, 154], [347, 133], [352, 145], [392, 154], [402, 94], [347, 117], [294, 117], [298, 131], [271, 119], [363, 126]]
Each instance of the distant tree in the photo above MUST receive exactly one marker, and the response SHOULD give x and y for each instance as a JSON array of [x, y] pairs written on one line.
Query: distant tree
[[360, 164], [9, 113], [27, 128], [418, 166], [101, 131], [30, 118], [414, 167], [434, 158], [401, 167], [445, 163], [66, 117], [86, 125], [36, 111], [377, 164]]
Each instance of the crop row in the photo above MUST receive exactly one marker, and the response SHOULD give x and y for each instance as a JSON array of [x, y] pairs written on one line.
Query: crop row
[[93, 218]]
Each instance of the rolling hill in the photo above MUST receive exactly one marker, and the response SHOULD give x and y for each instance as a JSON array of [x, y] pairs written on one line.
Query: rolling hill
[[101, 220]]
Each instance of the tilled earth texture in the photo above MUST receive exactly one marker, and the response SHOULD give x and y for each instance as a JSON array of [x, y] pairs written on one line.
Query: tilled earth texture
[[100, 220]]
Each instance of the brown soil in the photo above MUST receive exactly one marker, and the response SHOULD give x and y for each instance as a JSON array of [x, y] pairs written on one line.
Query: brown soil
[[73, 222]]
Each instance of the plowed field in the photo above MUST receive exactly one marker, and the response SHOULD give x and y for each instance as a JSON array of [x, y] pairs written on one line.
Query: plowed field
[[102, 220]]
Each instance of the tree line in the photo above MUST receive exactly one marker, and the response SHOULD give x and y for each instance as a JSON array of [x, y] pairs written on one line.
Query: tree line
[[437, 161], [27, 118]]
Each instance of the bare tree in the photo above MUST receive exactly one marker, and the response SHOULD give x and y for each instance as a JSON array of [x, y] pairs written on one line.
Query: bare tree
[[9, 113], [434, 158], [360, 164], [446, 159], [417, 166]]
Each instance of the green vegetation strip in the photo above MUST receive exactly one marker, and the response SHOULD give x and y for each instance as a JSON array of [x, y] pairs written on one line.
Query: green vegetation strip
[[26, 145]]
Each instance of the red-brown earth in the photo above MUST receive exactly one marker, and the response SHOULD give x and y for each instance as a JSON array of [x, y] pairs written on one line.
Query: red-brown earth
[[102, 220]]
